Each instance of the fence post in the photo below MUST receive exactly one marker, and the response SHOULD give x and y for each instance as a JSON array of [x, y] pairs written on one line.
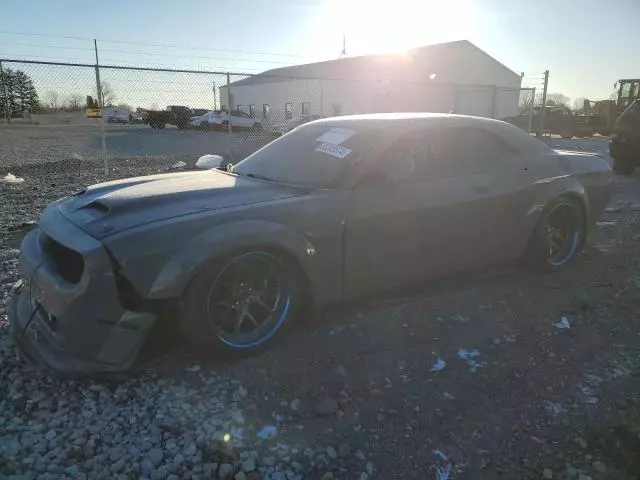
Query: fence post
[[493, 106], [533, 103], [105, 157], [543, 112], [229, 100], [5, 95]]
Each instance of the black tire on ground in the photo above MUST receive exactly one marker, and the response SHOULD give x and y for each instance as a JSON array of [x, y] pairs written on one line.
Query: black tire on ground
[[566, 133], [209, 298], [543, 252], [623, 164]]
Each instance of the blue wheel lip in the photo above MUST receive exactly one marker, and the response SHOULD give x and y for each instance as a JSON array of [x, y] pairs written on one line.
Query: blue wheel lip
[[275, 328], [570, 254], [270, 333]]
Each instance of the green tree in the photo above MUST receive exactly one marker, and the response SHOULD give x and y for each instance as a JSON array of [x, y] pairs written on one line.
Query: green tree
[[17, 93]]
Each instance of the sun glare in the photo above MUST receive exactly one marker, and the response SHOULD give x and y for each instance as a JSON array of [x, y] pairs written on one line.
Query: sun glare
[[386, 27]]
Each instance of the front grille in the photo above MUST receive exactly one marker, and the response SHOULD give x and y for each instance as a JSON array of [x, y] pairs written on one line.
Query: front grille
[[68, 263]]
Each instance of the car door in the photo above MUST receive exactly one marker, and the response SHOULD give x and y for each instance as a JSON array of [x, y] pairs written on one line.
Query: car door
[[386, 244], [484, 181], [240, 119]]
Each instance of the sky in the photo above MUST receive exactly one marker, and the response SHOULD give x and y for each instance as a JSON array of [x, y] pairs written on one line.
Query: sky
[[585, 44]]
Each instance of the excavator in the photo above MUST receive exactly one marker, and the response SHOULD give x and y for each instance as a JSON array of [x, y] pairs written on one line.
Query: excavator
[[625, 139]]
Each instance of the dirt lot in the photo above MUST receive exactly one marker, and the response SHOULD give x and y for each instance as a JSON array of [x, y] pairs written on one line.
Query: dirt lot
[[510, 375], [23, 144]]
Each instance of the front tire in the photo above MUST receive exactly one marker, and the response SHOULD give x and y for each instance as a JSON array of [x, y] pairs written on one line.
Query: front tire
[[241, 303], [558, 236]]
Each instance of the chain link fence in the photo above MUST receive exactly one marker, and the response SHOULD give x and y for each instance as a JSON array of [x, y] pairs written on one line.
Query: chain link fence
[[151, 119]]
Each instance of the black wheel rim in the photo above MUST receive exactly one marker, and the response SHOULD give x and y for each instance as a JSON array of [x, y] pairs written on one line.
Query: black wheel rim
[[248, 301], [562, 233]]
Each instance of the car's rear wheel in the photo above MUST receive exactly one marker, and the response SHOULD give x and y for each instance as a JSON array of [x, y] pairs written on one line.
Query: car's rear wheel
[[241, 303], [558, 236], [566, 133]]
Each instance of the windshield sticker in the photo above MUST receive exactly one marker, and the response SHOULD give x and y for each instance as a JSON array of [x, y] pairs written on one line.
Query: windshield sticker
[[336, 136], [333, 150]]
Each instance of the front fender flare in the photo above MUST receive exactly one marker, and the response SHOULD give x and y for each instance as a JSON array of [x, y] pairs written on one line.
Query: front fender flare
[[222, 239]]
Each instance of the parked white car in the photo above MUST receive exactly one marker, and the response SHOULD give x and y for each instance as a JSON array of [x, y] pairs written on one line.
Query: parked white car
[[238, 118], [282, 128]]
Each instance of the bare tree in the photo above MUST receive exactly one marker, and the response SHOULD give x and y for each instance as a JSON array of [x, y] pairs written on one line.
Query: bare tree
[[558, 99], [108, 95], [74, 102], [51, 99], [578, 104]]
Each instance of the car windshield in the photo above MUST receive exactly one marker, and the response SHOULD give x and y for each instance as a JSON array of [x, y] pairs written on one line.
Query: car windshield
[[316, 156]]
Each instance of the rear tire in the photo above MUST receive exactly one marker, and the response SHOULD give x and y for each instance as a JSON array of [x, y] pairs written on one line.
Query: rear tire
[[566, 133], [241, 303], [558, 237]]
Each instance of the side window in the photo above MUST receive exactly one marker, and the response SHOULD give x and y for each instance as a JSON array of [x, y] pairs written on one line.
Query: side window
[[410, 158], [265, 110], [252, 110], [465, 150], [288, 111]]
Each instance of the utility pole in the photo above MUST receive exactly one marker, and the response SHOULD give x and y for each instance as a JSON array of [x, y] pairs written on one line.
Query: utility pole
[[343, 53], [229, 100], [214, 96], [543, 112], [98, 87], [101, 105]]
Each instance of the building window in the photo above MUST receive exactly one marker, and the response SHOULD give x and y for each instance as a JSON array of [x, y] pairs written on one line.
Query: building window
[[252, 110], [306, 108], [288, 111], [265, 110]]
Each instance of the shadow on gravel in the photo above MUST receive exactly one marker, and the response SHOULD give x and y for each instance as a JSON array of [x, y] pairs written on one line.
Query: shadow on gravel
[[620, 446]]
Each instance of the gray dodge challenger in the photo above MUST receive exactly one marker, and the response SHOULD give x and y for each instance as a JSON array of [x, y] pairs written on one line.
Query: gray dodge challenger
[[336, 209]]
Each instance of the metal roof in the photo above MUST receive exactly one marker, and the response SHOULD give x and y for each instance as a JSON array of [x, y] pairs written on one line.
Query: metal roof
[[360, 68]]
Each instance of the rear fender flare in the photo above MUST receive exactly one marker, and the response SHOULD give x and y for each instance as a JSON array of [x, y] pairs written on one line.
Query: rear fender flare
[[223, 239], [548, 191]]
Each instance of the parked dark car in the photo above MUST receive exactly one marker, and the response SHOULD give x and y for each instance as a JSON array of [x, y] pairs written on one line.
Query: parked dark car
[[177, 115], [558, 120], [334, 210]]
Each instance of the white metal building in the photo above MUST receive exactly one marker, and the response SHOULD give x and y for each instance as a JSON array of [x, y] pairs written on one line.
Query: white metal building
[[449, 77]]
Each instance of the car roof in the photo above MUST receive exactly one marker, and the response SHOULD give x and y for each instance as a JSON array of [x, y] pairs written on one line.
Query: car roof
[[399, 123], [403, 120]]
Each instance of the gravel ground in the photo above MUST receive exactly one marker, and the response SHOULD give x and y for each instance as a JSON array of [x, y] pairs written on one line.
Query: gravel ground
[[23, 144], [485, 375]]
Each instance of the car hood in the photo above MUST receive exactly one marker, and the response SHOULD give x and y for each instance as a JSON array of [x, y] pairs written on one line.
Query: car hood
[[108, 208]]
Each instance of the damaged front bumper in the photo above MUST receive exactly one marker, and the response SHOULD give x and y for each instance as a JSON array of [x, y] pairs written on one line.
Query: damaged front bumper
[[66, 312]]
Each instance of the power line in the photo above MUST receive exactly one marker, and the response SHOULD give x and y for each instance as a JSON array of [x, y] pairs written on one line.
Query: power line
[[125, 52], [160, 45], [107, 62]]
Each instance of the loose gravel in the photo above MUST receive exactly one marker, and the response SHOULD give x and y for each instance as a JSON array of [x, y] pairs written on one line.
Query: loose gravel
[[354, 393]]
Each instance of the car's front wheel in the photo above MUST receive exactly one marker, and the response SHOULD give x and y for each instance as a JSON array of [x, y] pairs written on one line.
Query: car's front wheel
[[558, 236], [241, 303]]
